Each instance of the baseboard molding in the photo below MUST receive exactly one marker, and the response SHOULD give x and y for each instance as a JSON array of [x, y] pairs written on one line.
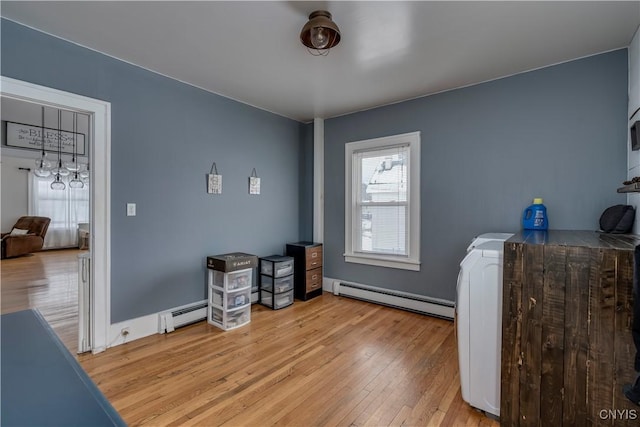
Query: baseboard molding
[[145, 326], [139, 327], [398, 299]]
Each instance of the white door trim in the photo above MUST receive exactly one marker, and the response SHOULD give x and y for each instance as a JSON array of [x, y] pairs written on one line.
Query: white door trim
[[100, 158]]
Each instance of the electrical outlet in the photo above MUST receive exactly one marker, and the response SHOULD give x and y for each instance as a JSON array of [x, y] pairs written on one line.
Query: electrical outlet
[[125, 331]]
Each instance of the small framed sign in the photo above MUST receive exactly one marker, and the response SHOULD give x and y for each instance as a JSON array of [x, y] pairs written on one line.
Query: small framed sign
[[254, 183], [21, 135], [215, 184], [214, 181]]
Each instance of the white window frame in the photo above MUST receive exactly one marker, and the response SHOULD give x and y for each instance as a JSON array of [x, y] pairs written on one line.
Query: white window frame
[[411, 261]]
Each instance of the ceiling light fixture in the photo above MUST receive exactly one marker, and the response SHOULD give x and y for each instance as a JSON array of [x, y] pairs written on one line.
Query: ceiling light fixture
[[73, 165], [320, 34], [85, 170], [43, 166], [59, 171], [75, 182]]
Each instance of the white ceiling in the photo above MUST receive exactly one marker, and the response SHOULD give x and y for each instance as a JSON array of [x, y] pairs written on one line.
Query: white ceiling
[[390, 51]]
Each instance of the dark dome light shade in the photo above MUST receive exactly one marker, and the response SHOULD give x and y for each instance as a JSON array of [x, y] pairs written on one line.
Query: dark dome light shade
[[320, 34]]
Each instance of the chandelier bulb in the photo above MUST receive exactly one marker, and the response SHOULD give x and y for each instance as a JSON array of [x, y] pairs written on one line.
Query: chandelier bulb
[[75, 182], [57, 183], [42, 173], [72, 166], [60, 169], [43, 167]]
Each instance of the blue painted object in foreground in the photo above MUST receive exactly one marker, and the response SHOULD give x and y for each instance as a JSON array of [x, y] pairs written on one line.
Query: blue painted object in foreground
[[42, 383]]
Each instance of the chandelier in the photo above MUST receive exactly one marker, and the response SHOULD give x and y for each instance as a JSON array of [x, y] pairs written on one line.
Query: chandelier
[[44, 168]]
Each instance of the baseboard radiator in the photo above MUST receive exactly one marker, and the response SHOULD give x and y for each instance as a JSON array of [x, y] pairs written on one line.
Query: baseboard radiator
[[403, 300], [182, 316]]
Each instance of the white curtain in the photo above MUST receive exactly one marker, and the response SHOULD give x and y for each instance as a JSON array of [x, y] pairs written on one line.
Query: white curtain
[[66, 208]]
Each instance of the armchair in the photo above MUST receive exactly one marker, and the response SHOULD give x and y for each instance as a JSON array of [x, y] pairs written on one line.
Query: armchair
[[14, 245]]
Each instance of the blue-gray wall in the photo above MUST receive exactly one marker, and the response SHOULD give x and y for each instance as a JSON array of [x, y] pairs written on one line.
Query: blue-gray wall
[[165, 136], [487, 151]]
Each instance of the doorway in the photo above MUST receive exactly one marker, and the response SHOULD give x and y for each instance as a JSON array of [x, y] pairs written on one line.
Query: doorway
[[100, 232]]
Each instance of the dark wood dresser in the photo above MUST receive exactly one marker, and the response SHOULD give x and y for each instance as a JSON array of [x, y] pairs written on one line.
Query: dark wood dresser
[[307, 269], [567, 347]]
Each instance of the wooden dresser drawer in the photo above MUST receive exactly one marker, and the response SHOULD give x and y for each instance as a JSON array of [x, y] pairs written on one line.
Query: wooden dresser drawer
[[314, 258], [314, 279]]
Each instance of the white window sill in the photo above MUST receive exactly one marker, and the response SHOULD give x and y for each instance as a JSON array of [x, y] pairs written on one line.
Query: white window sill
[[383, 261]]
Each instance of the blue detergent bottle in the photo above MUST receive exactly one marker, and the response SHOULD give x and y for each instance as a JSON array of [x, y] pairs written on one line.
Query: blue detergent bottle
[[535, 216]]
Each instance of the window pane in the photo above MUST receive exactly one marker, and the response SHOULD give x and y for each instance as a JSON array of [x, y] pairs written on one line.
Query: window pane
[[383, 175], [383, 229]]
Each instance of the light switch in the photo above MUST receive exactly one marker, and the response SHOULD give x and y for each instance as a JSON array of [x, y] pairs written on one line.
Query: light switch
[[131, 209]]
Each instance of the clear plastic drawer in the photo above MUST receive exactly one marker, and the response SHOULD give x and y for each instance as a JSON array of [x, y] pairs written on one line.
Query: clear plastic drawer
[[229, 319], [276, 301], [276, 266], [239, 298], [282, 284], [238, 317], [240, 279]]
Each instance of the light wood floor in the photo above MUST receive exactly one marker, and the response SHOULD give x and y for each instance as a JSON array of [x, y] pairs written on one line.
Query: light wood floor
[[47, 281], [330, 361]]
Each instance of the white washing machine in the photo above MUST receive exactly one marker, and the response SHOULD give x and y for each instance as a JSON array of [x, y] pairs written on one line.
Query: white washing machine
[[488, 237], [479, 322]]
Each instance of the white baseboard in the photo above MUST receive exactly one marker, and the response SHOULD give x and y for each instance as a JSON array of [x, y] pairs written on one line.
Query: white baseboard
[[327, 284], [139, 327], [145, 326]]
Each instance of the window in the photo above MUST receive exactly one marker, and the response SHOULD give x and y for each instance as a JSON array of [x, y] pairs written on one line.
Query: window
[[67, 208], [382, 204]]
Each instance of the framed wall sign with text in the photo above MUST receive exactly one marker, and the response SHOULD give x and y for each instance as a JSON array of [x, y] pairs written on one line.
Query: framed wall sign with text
[[30, 137]]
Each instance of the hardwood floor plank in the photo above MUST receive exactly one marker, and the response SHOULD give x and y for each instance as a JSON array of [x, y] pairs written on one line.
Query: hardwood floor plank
[[47, 281], [329, 361]]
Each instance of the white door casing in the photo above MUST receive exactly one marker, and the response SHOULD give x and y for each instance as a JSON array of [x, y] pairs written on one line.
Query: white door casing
[[100, 161]]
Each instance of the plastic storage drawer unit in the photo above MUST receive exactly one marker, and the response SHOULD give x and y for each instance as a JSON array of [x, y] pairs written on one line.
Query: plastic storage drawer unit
[[230, 279], [276, 266], [276, 281]]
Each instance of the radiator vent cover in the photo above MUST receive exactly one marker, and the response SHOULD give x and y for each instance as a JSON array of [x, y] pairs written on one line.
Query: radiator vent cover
[[403, 300], [182, 316]]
